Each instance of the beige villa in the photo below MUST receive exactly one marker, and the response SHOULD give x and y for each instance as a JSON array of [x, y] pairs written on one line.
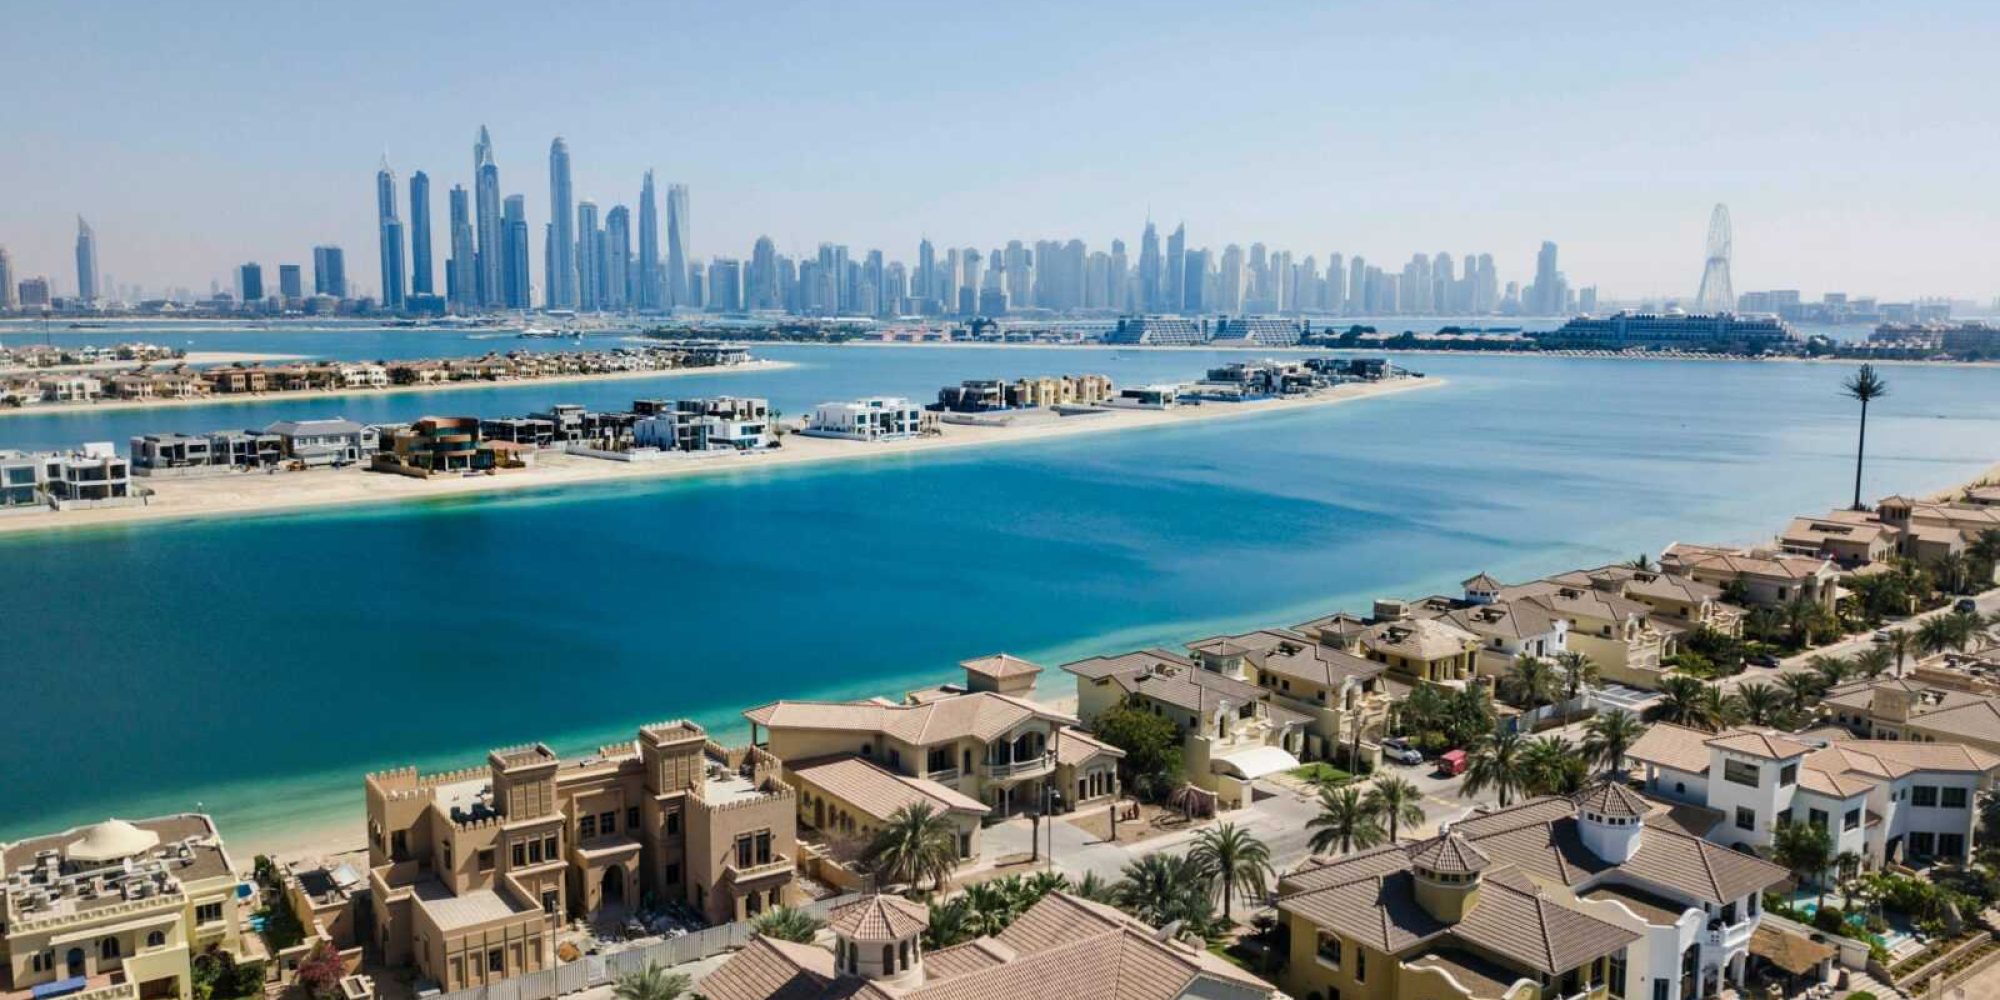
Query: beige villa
[[1770, 578], [970, 751], [1913, 709], [1340, 693], [121, 907], [471, 871]]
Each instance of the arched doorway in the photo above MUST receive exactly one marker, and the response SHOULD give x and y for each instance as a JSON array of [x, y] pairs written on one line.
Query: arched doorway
[[75, 959], [613, 892]]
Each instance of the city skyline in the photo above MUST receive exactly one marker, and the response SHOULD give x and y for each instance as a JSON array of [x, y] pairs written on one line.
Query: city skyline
[[1821, 169]]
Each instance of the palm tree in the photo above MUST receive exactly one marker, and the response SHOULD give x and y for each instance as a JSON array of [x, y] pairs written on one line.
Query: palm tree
[[1723, 710], [1805, 849], [1831, 670], [919, 844], [1873, 662], [653, 982], [1344, 821], [1500, 764], [1579, 673], [1899, 644], [1761, 703], [1985, 549], [1803, 690], [1937, 634], [1681, 704], [1530, 682], [1607, 736], [1641, 562], [1094, 888], [1397, 800], [1864, 387], [1163, 888], [1554, 767], [787, 923], [952, 922], [1239, 861]]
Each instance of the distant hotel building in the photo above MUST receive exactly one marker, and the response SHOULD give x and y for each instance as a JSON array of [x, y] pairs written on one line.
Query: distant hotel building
[[472, 872], [1670, 330], [1172, 331]]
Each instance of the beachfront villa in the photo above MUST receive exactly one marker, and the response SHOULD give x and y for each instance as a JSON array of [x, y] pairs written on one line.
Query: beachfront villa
[[1146, 397], [720, 423], [443, 445], [1063, 946], [1554, 897], [324, 442], [472, 871], [970, 752], [1887, 802], [1232, 730], [1769, 578], [875, 418], [89, 477], [116, 910], [1342, 695]]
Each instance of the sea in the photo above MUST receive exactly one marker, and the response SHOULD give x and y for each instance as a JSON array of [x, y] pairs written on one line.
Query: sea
[[257, 668]]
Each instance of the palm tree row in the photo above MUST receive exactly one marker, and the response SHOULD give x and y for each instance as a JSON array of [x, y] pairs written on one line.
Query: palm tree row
[[1349, 819]]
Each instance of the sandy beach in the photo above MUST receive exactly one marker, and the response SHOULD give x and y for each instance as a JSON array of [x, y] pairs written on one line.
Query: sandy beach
[[269, 397], [241, 494], [191, 358]]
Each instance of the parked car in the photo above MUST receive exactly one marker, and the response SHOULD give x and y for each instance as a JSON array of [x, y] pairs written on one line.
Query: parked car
[[1885, 635], [1966, 605], [1452, 763], [1399, 750], [1763, 660]]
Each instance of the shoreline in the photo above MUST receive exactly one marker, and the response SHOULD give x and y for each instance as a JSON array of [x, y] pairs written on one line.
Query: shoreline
[[112, 405], [253, 494], [121, 367]]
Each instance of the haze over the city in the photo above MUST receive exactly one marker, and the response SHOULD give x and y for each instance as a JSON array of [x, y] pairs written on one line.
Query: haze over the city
[[1851, 141]]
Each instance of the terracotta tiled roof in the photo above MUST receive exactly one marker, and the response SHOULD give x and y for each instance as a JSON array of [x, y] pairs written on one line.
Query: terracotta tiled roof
[[877, 791], [879, 919], [1421, 638], [1482, 583], [769, 969], [1450, 855], [1758, 743], [1671, 746], [1609, 798], [981, 714], [1074, 746], [1002, 666]]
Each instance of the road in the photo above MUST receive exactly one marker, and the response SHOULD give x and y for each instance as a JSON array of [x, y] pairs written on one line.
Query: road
[[1988, 602]]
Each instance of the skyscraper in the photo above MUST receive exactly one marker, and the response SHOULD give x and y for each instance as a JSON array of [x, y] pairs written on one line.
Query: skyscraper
[[391, 246], [1176, 290], [8, 300], [677, 245], [250, 284], [648, 277], [86, 261], [617, 263], [1548, 290], [329, 271], [1334, 299], [461, 277], [490, 252], [762, 292], [515, 283], [562, 264], [589, 257], [290, 287], [1150, 293], [420, 234]]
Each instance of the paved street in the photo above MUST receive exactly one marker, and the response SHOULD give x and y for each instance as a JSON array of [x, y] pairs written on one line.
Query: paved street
[[1989, 603]]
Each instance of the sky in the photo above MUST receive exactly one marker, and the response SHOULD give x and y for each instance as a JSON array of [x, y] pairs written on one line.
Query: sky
[[1853, 142]]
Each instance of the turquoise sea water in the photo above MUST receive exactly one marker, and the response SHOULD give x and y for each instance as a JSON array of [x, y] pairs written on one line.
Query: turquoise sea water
[[259, 666]]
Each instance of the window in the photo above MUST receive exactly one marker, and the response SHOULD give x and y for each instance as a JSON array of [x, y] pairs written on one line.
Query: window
[[1922, 845], [1741, 772], [674, 874], [108, 948], [764, 847], [549, 900], [486, 860], [520, 853], [1618, 975], [1817, 817], [1360, 965], [745, 851], [496, 961], [549, 847], [1852, 820], [1659, 989], [208, 913], [631, 817], [399, 845], [1745, 819], [156, 939], [673, 823], [938, 759], [607, 824], [1953, 798], [1329, 950], [1789, 775], [1924, 795], [447, 857]]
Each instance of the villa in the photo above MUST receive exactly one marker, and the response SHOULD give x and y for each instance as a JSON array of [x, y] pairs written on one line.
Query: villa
[[969, 751], [876, 418], [1916, 709], [1553, 897], [472, 871], [1884, 801], [1341, 694], [117, 910], [1769, 578], [1233, 731], [322, 442], [1063, 946]]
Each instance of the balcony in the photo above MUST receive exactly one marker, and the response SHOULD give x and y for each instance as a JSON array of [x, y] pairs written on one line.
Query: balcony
[[948, 776], [779, 864], [1016, 770]]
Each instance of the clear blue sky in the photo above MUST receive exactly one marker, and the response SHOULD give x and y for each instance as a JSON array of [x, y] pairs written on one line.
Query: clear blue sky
[[1854, 142]]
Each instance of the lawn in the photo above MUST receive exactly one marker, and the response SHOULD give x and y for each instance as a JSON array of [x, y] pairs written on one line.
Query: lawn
[[1320, 772]]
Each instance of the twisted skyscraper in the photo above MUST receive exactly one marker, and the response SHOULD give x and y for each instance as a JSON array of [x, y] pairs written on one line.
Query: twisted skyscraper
[[489, 279], [677, 246]]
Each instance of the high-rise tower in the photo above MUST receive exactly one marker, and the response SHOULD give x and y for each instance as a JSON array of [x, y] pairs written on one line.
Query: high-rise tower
[[1716, 295], [562, 268], [490, 249], [391, 232], [86, 261], [677, 245], [420, 234], [7, 300], [461, 276], [515, 283], [647, 279], [1149, 297]]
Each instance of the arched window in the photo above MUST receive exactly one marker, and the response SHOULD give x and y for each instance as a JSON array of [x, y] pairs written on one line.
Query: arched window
[[903, 954], [107, 948], [156, 939], [888, 958]]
